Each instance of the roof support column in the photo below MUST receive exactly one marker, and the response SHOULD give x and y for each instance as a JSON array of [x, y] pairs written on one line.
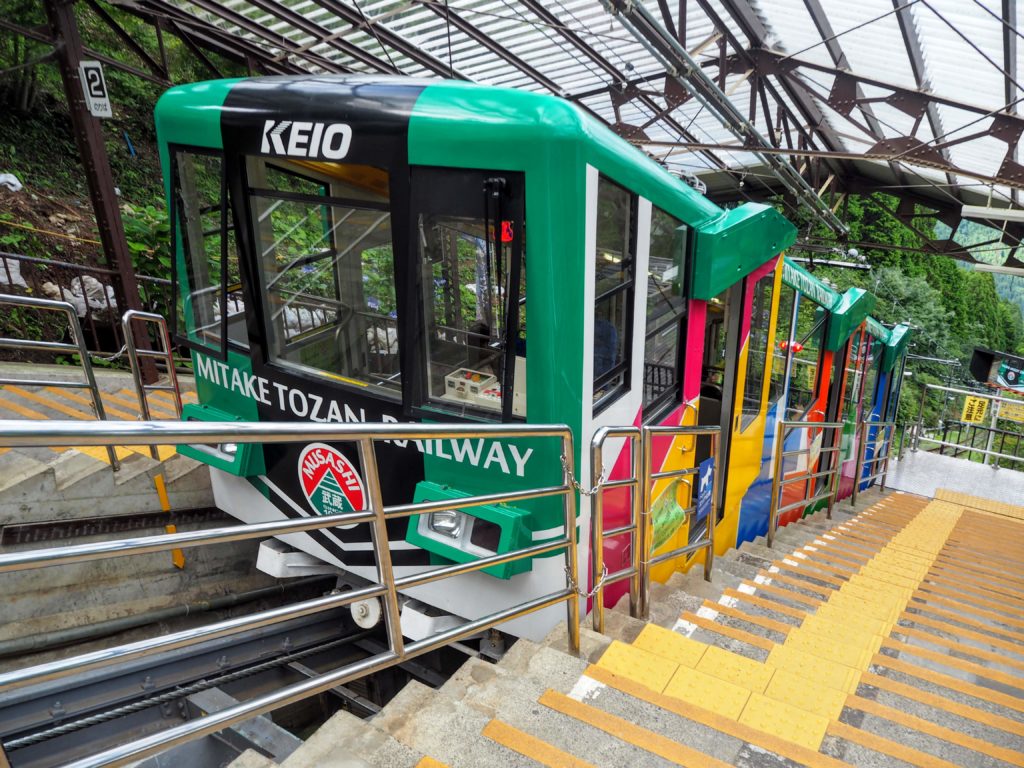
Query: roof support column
[[93, 154]]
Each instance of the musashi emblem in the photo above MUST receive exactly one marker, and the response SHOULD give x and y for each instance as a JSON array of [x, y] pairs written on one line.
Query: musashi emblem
[[330, 481]]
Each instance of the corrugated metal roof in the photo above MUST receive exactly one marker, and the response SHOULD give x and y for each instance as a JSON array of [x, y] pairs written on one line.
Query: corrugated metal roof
[[853, 93]]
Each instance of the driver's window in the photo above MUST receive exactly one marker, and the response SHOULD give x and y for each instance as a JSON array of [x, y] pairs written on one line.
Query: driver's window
[[323, 238]]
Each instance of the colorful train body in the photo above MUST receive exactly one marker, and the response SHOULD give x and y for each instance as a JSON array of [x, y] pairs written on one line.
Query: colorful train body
[[387, 250]]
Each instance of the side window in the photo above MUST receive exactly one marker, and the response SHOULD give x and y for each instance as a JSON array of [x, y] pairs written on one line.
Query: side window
[[327, 269], [853, 371], [783, 344], [757, 348], [207, 276], [873, 352], [615, 267], [805, 346], [665, 309]]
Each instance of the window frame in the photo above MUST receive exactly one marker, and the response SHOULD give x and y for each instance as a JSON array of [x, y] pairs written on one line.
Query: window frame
[[765, 377], [424, 404], [274, 358], [627, 287], [673, 394], [226, 214]]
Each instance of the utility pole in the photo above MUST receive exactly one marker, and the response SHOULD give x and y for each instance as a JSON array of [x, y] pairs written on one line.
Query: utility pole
[[96, 163]]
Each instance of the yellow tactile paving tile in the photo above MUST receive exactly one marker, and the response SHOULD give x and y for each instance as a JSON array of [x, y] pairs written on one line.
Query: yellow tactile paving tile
[[698, 714], [977, 502], [736, 669], [652, 742], [638, 665], [707, 691], [670, 645], [531, 747], [854, 656], [784, 721], [806, 694], [828, 673], [429, 762]]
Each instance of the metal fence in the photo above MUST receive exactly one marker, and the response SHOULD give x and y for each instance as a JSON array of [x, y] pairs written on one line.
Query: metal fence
[[952, 399], [77, 346], [809, 474], [386, 587], [879, 456], [88, 289], [165, 352], [640, 527]]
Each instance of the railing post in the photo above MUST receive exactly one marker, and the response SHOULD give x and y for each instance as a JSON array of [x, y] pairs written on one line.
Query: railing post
[[636, 512], [572, 605], [709, 557], [646, 532], [777, 470], [885, 462], [858, 467], [382, 546], [597, 532], [920, 420], [79, 338]]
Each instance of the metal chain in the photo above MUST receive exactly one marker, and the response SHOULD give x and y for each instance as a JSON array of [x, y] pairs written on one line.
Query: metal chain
[[113, 358], [576, 587], [578, 486]]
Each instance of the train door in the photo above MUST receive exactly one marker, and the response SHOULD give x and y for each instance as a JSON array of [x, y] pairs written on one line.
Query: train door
[[801, 394], [746, 486], [874, 397], [850, 408]]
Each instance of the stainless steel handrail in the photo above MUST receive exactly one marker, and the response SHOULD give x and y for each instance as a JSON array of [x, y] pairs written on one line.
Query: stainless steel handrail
[[646, 523], [919, 428], [77, 347], [888, 431], [599, 577], [58, 433], [782, 430], [166, 351]]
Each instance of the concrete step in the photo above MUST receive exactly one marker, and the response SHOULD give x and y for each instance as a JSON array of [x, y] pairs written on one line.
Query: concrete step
[[434, 724], [532, 705], [347, 741], [252, 759]]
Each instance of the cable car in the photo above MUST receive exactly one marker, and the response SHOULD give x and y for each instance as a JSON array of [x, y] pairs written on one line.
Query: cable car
[[352, 249]]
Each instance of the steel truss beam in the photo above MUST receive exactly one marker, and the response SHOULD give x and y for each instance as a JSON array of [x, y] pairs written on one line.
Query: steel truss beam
[[692, 77]]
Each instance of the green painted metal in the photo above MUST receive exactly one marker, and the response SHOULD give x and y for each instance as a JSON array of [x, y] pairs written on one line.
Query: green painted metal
[[879, 331], [515, 534], [248, 457], [735, 244], [799, 278], [896, 346], [853, 308]]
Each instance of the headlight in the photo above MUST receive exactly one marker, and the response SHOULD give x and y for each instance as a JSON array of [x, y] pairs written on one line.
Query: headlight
[[447, 522]]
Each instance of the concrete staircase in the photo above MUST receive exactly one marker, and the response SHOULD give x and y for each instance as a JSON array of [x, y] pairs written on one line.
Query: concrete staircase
[[890, 635]]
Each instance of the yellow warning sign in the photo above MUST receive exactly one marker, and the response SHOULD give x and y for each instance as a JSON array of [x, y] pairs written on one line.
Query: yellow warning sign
[[1012, 411], [974, 411]]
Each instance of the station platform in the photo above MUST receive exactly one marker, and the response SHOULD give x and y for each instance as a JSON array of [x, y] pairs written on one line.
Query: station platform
[[891, 635], [926, 473]]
